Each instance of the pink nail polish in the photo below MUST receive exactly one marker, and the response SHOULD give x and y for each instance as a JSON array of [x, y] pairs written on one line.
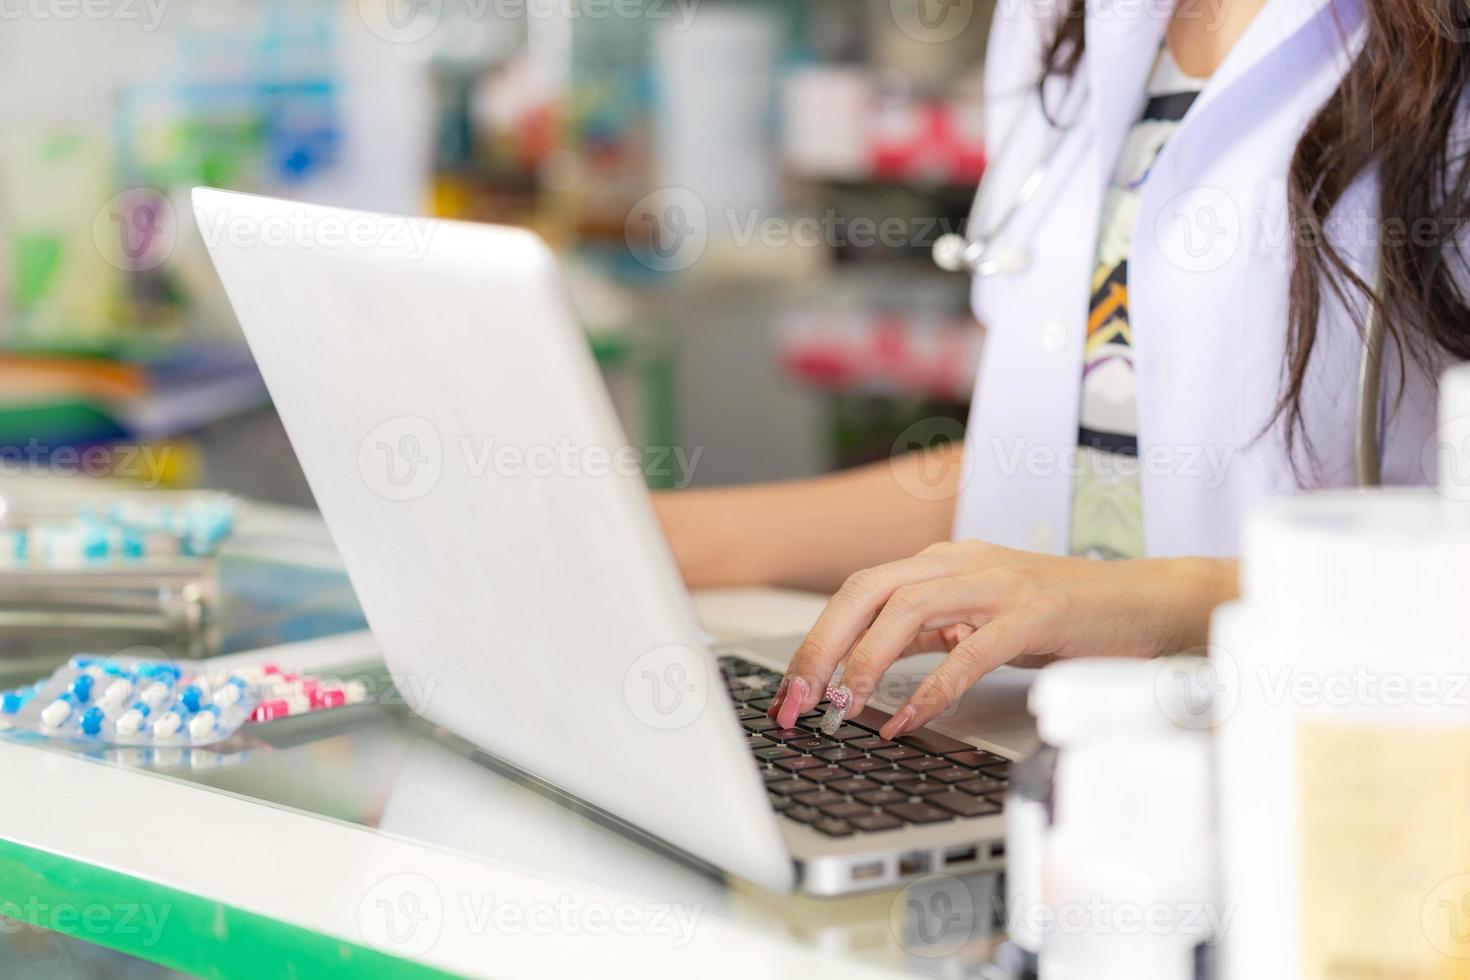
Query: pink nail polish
[[777, 699], [901, 722], [794, 704]]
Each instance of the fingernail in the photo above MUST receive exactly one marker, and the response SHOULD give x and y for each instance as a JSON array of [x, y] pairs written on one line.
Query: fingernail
[[839, 700], [900, 723], [776, 699], [794, 703]]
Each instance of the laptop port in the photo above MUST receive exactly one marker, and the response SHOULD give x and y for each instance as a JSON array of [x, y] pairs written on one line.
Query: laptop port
[[913, 863], [867, 871], [960, 855]]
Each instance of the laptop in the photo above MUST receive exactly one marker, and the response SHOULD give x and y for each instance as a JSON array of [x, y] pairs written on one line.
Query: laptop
[[497, 529]]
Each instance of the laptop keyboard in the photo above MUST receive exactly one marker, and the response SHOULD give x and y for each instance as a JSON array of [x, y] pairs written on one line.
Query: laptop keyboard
[[856, 782]]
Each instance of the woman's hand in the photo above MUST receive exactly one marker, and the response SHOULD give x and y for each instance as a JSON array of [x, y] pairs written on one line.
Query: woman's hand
[[988, 606]]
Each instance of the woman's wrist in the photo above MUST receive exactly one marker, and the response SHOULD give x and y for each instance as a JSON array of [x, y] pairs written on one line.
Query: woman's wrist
[[1195, 587]]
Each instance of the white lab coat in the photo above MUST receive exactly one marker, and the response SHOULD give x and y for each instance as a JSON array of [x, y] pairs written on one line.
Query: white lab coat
[[1208, 313]]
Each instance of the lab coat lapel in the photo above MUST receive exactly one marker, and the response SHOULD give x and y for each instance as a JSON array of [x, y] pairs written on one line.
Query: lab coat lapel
[[1123, 38], [1277, 23]]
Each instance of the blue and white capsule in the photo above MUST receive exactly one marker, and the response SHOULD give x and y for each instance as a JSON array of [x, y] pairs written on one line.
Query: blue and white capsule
[[133, 719], [205, 722]]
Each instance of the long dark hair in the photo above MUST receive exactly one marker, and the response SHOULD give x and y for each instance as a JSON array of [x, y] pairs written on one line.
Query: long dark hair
[[1396, 109]]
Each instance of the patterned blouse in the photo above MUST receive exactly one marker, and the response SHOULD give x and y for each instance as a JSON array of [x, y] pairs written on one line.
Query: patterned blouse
[[1107, 508]]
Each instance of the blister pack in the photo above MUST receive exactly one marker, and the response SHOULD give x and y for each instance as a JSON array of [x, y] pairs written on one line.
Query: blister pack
[[144, 702]]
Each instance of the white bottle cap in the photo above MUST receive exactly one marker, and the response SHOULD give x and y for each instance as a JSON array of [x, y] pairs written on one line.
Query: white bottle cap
[[1078, 700], [1359, 558]]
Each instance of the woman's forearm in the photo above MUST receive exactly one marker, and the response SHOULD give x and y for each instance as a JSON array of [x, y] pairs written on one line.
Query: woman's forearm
[[814, 533]]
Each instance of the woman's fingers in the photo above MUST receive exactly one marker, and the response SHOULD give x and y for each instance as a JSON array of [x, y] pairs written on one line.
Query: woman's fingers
[[996, 643], [849, 612], [933, 605]]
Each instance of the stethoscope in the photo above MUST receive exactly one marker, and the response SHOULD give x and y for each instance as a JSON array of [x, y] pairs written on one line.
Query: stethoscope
[[982, 252]]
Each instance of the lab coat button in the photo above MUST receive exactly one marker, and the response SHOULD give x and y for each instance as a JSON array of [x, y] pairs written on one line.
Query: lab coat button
[[1053, 337]]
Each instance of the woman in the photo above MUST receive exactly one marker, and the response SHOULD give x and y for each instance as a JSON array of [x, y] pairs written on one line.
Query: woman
[[1243, 180]]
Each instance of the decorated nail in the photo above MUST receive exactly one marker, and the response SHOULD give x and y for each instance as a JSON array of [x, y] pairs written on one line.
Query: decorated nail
[[839, 700]]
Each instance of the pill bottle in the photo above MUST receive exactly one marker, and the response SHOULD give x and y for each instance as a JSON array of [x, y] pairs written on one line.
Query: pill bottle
[[1344, 759], [1128, 868], [1028, 822]]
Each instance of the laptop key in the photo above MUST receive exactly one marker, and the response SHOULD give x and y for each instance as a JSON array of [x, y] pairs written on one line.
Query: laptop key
[[824, 775], [833, 827], [872, 743], [799, 763], [886, 776], [874, 822], [923, 763], [933, 742], [997, 772], [810, 744], [883, 797], [853, 784], [754, 741], [788, 786], [898, 752], [870, 718], [848, 733], [760, 704], [845, 810], [780, 734], [804, 814], [819, 798], [919, 787], [981, 785], [775, 777], [963, 804], [750, 714], [760, 725], [975, 758], [775, 753], [840, 753], [919, 813], [952, 775], [861, 766]]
